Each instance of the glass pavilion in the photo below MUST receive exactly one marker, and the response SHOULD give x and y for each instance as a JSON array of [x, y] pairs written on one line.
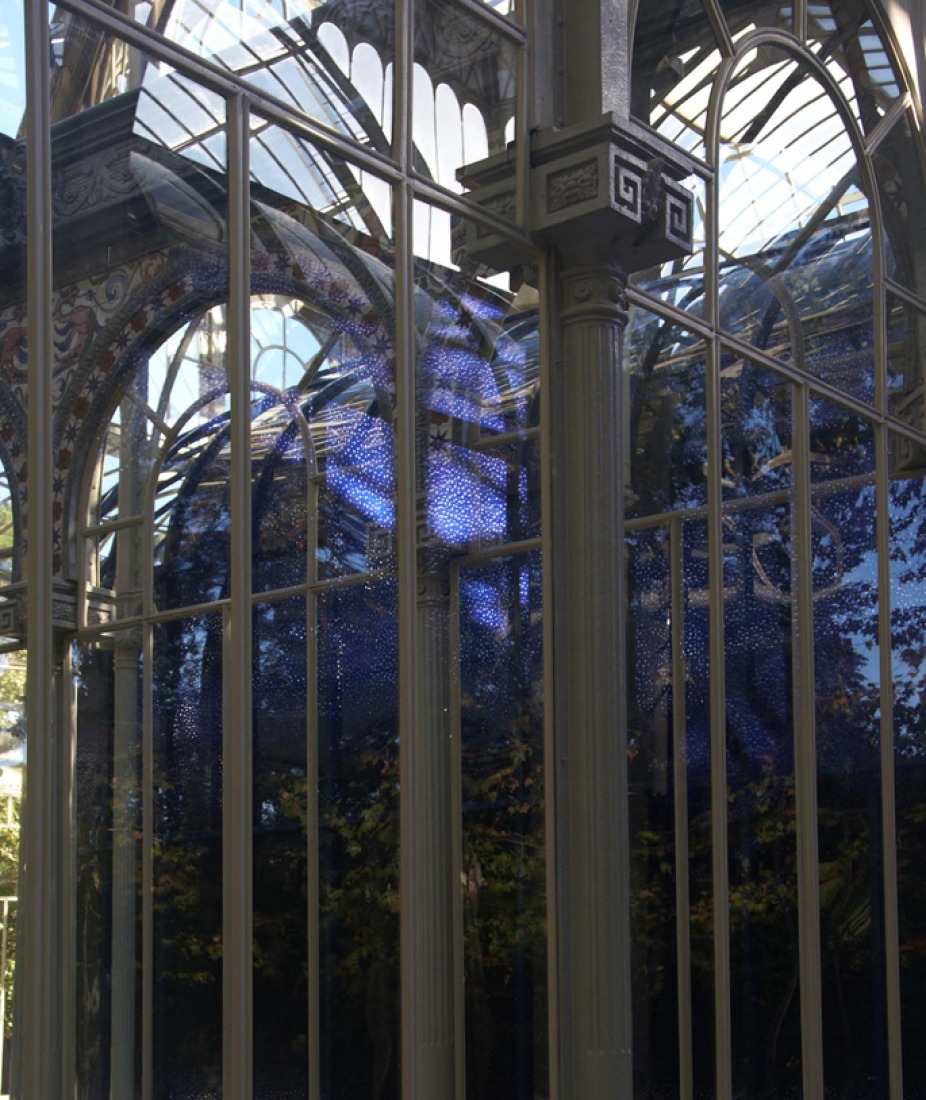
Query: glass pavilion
[[462, 550]]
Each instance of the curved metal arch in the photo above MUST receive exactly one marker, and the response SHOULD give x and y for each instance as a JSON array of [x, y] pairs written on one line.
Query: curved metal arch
[[790, 45]]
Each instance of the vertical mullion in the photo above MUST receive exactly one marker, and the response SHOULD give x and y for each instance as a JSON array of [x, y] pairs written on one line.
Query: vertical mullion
[[719, 856], [805, 758], [522, 138], [888, 790], [406, 567], [69, 847], [551, 824], [147, 872], [402, 92], [311, 776], [40, 1041], [800, 19], [456, 803], [406, 527], [237, 857], [680, 788]]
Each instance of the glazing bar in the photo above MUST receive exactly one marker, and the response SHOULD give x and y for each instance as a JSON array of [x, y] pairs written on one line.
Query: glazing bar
[[147, 868], [719, 854], [237, 832], [805, 757], [888, 788], [40, 1041], [680, 776]]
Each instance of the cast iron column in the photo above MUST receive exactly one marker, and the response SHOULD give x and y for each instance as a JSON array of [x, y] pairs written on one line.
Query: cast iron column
[[608, 199]]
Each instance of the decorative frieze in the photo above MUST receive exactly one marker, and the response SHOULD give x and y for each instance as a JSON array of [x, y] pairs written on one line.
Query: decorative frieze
[[571, 186]]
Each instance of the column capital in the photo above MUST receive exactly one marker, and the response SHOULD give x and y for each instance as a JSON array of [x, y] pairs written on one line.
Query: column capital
[[594, 293]]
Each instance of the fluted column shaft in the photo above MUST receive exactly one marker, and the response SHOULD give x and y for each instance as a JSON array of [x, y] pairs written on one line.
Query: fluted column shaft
[[589, 662]]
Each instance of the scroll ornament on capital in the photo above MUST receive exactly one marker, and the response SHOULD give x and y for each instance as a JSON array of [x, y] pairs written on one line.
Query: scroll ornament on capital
[[599, 290]]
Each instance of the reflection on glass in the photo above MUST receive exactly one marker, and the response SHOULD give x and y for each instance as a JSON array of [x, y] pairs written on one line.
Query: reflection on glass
[[126, 285], [358, 821], [693, 615], [674, 64], [281, 503], [906, 361], [330, 60], [281, 890], [666, 412], [329, 346], [846, 671], [13, 316], [654, 712], [12, 775], [503, 7], [843, 36], [504, 846], [108, 911], [902, 187], [758, 632], [477, 397], [465, 90], [191, 518], [795, 240], [755, 14], [680, 283], [908, 645], [186, 793]]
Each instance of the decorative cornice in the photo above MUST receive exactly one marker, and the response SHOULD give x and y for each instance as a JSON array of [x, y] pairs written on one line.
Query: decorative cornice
[[598, 192]]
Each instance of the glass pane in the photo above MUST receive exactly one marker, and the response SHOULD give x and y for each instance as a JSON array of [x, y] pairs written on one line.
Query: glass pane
[[281, 501], [843, 36], [680, 283], [657, 869], [12, 776], [191, 509], [906, 361], [323, 335], [503, 7], [908, 644], [332, 61], [504, 839], [107, 684], [675, 59], [758, 632], [358, 821], [899, 171], [846, 669], [755, 14], [281, 888], [13, 315], [795, 241], [477, 393], [186, 793], [139, 250], [666, 411], [465, 90], [696, 721]]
